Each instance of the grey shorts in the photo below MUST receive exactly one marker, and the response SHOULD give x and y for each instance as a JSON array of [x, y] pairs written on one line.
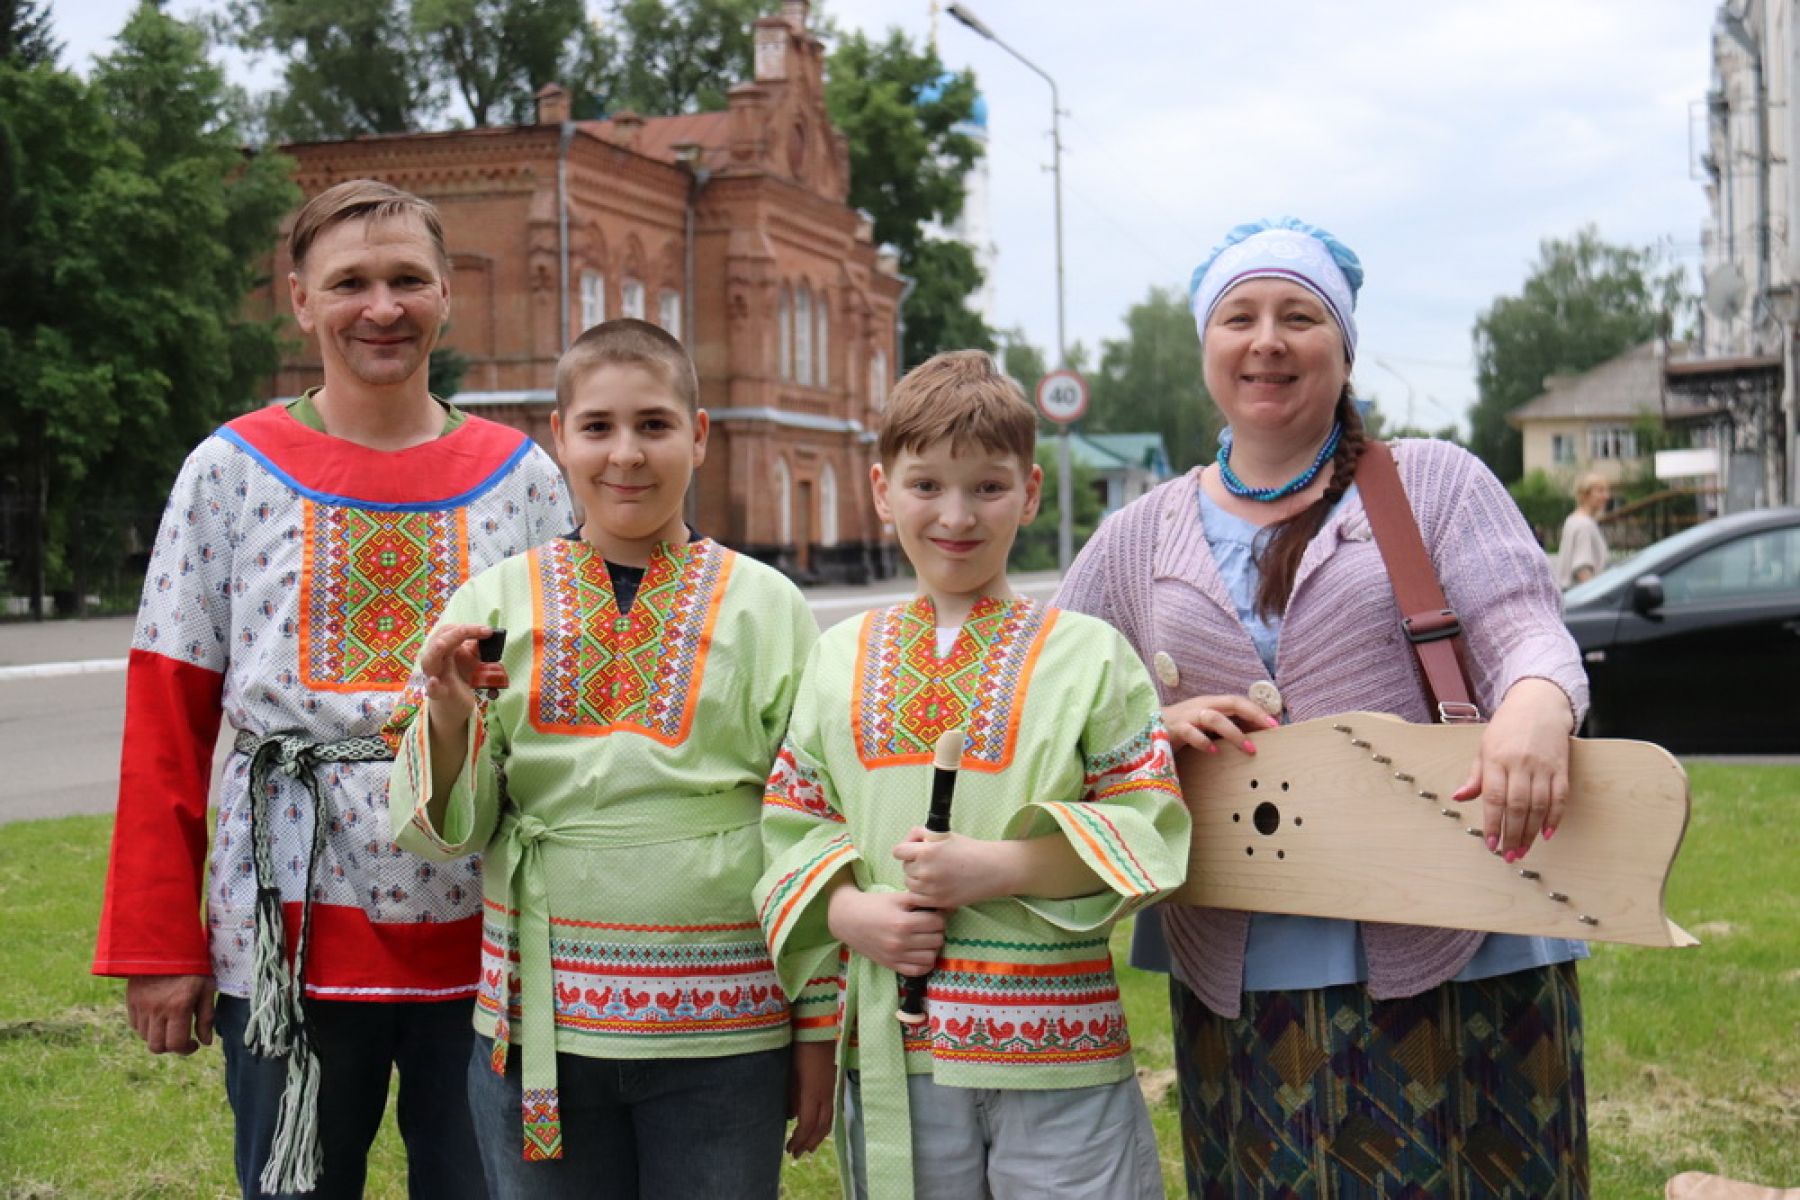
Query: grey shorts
[[1092, 1143]]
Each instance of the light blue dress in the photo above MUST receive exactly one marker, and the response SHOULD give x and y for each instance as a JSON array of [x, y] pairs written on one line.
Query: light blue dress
[[1287, 953]]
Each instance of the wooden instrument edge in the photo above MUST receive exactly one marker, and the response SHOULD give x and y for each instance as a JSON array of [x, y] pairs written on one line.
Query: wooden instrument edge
[[1637, 814]]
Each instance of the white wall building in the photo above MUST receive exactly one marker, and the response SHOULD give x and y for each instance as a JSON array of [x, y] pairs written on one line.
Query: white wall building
[[1751, 301], [972, 227]]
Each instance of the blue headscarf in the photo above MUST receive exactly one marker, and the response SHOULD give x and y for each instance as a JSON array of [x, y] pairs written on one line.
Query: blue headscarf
[[1283, 248]]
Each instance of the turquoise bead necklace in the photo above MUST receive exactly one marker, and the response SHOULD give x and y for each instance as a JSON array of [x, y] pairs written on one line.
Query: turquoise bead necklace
[[1267, 495]]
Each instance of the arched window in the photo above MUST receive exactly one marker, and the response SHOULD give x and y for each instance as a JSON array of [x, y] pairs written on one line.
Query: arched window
[[593, 299], [784, 503], [631, 299], [668, 305], [822, 375], [803, 335], [828, 506], [878, 379], [784, 333]]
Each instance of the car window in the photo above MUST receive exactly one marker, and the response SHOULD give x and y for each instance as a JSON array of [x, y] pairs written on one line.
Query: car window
[[1755, 565]]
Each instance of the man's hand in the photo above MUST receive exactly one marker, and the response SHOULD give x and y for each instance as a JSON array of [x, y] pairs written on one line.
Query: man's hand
[[811, 1077], [171, 1011], [893, 929]]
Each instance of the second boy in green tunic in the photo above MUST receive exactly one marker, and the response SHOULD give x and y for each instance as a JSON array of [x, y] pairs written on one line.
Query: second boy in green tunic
[[1067, 817]]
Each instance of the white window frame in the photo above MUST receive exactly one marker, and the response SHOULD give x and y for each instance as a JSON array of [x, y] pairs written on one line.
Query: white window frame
[[784, 333], [593, 299], [828, 506], [878, 379], [1612, 443], [822, 364], [784, 502], [803, 335], [631, 298], [668, 303]]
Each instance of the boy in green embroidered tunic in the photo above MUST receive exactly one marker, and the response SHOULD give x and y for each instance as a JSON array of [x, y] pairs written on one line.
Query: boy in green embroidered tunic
[[1067, 817], [614, 787]]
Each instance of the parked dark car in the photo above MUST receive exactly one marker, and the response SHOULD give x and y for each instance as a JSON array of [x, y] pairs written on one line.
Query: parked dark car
[[1695, 643]]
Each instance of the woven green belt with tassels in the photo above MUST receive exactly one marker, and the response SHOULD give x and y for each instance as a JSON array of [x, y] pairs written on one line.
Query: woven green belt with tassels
[[277, 1025]]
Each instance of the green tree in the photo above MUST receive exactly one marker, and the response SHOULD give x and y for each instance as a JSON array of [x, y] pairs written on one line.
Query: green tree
[[1023, 361], [1035, 547], [660, 57], [938, 316], [132, 223], [1150, 380], [25, 33], [352, 66], [1584, 301], [900, 110], [445, 371], [499, 52], [1544, 502]]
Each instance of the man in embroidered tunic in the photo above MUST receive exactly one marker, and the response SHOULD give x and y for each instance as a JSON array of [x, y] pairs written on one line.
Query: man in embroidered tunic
[[305, 551], [1067, 816], [615, 786]]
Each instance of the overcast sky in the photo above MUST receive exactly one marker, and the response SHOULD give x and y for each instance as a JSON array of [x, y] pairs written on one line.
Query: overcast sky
[[1440, 139]]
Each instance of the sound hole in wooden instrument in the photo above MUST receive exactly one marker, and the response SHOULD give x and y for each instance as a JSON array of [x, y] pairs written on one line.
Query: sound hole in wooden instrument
[[1267, 818]]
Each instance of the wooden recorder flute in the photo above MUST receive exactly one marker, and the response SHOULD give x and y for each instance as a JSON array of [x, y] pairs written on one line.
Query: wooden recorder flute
[[945, 759]]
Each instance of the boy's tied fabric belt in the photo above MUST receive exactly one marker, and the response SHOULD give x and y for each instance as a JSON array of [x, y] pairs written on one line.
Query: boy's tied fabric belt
[[525, 839], [872, 993], [277, 1026]]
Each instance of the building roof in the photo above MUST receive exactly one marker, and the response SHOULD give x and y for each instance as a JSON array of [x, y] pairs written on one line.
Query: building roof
[[658, 137], [1625, 387], [1111, 451]]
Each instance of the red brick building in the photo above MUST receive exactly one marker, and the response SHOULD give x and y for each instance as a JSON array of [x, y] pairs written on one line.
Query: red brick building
[[730, 229]]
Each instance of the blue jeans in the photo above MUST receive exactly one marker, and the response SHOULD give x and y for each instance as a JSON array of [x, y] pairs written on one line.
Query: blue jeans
[[661, 1129], [359, 1046]]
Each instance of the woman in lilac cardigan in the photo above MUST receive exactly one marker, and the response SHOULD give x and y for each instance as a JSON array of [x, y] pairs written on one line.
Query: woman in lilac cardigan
[[1322, 1057]]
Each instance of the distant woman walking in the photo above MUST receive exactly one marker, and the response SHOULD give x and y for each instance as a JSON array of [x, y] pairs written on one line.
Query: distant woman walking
[[1582, 550]]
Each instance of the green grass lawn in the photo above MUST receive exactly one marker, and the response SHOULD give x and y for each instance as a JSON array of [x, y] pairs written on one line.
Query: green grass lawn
[[1693, 1058]]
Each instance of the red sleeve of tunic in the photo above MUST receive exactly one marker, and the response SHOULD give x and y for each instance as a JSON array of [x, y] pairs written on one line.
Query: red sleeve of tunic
[[151, 923]]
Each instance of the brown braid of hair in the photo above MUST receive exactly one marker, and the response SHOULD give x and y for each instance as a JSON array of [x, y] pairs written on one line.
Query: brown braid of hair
[[1279, 559]]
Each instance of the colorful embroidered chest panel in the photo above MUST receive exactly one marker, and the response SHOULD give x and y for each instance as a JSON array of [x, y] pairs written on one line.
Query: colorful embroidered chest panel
[[904, 696], [597, 671], [372, 582]]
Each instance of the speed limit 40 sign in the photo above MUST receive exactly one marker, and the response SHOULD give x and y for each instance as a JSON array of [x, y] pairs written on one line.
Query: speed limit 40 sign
[[1062, 396]]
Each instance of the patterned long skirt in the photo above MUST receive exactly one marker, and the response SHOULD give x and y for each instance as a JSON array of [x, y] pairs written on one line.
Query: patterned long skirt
[[1471, 1090]]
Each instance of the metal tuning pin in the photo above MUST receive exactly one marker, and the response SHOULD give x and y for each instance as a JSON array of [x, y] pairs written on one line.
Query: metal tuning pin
[[1560, 897], [1448, 812], [1525, 873], [1428, 795], [1342, 728], [1474, 831], [1384, 760], [1359, 743], [1403, 777], [1587, 920]]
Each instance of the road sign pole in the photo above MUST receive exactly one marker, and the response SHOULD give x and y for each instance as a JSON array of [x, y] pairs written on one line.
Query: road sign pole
[[1062, 396], [1065, 528]]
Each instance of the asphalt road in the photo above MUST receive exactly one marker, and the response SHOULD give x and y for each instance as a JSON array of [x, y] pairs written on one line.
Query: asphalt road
[[62, 701]]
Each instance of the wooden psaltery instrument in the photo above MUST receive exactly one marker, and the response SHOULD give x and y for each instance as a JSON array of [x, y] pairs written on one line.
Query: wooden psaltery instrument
[[1351, 816]]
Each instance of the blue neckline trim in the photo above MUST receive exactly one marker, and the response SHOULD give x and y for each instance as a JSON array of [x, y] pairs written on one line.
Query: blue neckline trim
[[237, 439]]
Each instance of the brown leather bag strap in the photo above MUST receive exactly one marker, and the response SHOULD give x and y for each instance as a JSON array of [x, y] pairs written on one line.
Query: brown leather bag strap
[[1425, 616]]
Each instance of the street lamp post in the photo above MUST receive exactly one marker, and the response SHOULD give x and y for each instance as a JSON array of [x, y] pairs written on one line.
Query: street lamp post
[[1065, 536]]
